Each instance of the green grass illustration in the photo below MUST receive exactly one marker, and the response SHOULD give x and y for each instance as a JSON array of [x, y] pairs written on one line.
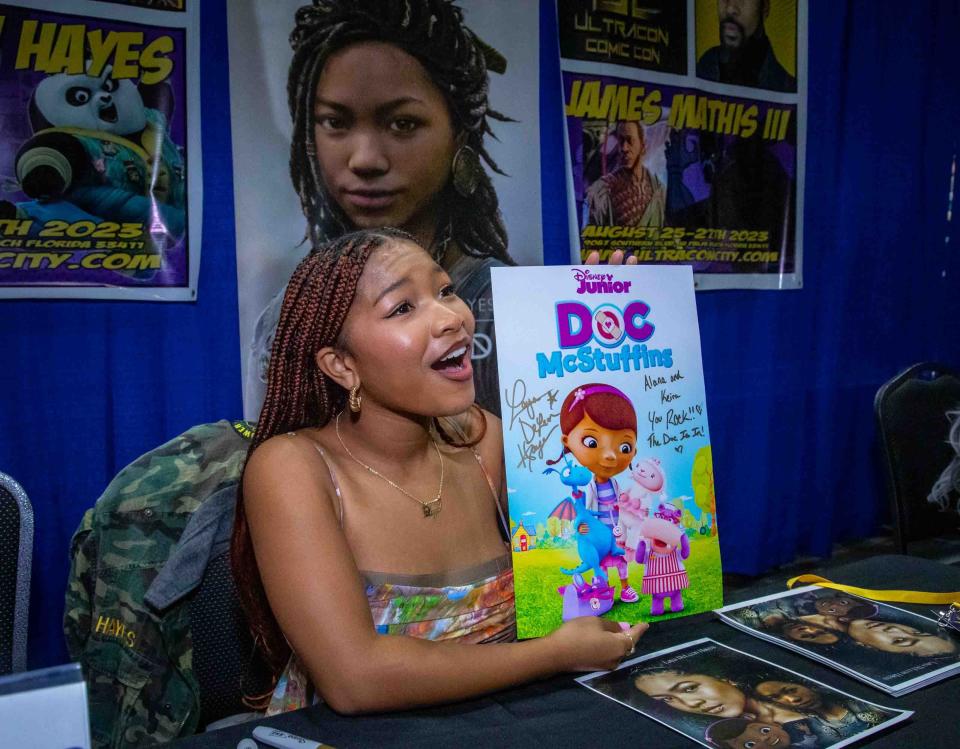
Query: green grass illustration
[[537, 576]]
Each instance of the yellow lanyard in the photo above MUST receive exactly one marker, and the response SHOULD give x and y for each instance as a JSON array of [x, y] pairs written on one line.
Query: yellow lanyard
[[902, 596]]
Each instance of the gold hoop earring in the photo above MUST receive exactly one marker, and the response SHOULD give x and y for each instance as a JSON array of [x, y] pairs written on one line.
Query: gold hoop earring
[[466, 170], [354, 399]]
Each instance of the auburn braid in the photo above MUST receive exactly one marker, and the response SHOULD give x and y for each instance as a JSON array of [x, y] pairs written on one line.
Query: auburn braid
[[299, 395], [432, 31]]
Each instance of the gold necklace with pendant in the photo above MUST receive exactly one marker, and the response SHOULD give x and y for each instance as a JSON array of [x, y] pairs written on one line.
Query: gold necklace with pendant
[[431, 508]]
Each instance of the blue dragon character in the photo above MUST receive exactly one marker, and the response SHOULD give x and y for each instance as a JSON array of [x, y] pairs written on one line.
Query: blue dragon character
[[593, 547]]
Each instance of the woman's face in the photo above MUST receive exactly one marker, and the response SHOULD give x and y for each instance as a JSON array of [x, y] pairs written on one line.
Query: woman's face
[[788, 694], [806, 632], [409, 336], [603, 452], [385, 139], [693, 693], [899, 638]]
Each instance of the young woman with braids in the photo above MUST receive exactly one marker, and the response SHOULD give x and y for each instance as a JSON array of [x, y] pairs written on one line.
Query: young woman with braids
[[369, 546], [390, 111]]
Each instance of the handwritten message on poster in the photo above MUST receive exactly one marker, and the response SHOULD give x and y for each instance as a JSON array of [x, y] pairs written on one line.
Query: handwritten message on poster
[[607, 444]]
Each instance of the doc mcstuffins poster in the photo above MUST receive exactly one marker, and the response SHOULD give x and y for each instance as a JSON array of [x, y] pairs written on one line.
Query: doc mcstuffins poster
[[607, 445]]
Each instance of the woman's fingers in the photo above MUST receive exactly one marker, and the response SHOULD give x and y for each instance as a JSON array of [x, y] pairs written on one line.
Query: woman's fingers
[[595, 643], [633, 636], [616, 258]]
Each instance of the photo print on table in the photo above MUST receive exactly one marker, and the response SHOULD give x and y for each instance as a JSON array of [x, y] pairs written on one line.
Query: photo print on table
[[721, 697], [885, 646]]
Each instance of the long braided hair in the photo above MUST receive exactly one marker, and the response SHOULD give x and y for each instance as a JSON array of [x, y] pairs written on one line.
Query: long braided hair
[[456, 60], [315, 306]]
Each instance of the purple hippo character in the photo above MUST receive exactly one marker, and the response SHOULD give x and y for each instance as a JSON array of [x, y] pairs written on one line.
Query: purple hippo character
[[661, 550]]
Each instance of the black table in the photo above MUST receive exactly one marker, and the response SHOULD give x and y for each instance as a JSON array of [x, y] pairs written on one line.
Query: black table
[[560, 713]]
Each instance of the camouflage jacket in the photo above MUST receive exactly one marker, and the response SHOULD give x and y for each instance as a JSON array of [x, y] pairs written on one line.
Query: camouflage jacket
[[137, 657]]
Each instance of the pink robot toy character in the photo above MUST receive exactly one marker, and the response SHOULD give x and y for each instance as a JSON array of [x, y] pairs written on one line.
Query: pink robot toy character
[[661, 550]]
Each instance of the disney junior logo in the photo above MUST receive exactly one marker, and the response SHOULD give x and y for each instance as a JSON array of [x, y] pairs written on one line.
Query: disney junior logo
[[599, 283]]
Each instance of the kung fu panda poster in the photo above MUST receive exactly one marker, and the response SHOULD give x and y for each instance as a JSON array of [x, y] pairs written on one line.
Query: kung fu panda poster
[[99, 151]]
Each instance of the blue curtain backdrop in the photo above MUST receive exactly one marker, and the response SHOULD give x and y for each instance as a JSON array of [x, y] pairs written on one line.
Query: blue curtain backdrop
[[89, 386], [791, 375]]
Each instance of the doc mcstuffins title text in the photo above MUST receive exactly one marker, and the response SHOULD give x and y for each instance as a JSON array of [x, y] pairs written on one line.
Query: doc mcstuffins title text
[[620, 330]]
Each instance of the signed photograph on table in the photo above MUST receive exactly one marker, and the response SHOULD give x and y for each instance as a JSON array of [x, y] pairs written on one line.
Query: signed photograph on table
[[721, 697], [882, 645]]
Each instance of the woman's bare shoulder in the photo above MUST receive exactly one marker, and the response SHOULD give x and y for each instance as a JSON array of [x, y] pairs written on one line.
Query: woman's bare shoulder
[[490, 447], [280, 452], [288, 467]]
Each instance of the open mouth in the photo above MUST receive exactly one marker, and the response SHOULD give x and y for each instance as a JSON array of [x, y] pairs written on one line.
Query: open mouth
[[455, 363], [109, 114], [451, 361]]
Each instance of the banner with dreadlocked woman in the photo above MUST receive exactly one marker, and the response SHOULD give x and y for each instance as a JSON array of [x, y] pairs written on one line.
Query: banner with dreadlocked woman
[[100, 150], [409, 113], [685, 130]]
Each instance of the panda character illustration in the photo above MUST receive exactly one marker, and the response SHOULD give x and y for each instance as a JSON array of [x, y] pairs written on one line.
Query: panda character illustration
[[101, 151]]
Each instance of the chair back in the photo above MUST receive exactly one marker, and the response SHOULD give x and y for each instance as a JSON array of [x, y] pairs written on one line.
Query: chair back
[[225, 662], [16, 556], [912, 420]]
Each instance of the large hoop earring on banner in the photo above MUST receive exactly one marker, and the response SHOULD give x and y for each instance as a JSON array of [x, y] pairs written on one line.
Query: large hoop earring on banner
[[466, 170], [354, 399]]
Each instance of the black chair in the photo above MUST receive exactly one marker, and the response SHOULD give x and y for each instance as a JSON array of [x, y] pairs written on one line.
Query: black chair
[[225, 662], [197, 575], [913, 423], [16, 555]]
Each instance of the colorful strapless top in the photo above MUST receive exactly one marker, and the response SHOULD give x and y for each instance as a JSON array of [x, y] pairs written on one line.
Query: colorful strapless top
[[447, 607], [472, 605]]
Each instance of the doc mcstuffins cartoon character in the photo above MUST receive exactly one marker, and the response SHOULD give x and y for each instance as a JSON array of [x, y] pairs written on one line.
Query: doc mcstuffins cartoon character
[[101, 151], [599, 428], [638, 501], [661, 550]]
